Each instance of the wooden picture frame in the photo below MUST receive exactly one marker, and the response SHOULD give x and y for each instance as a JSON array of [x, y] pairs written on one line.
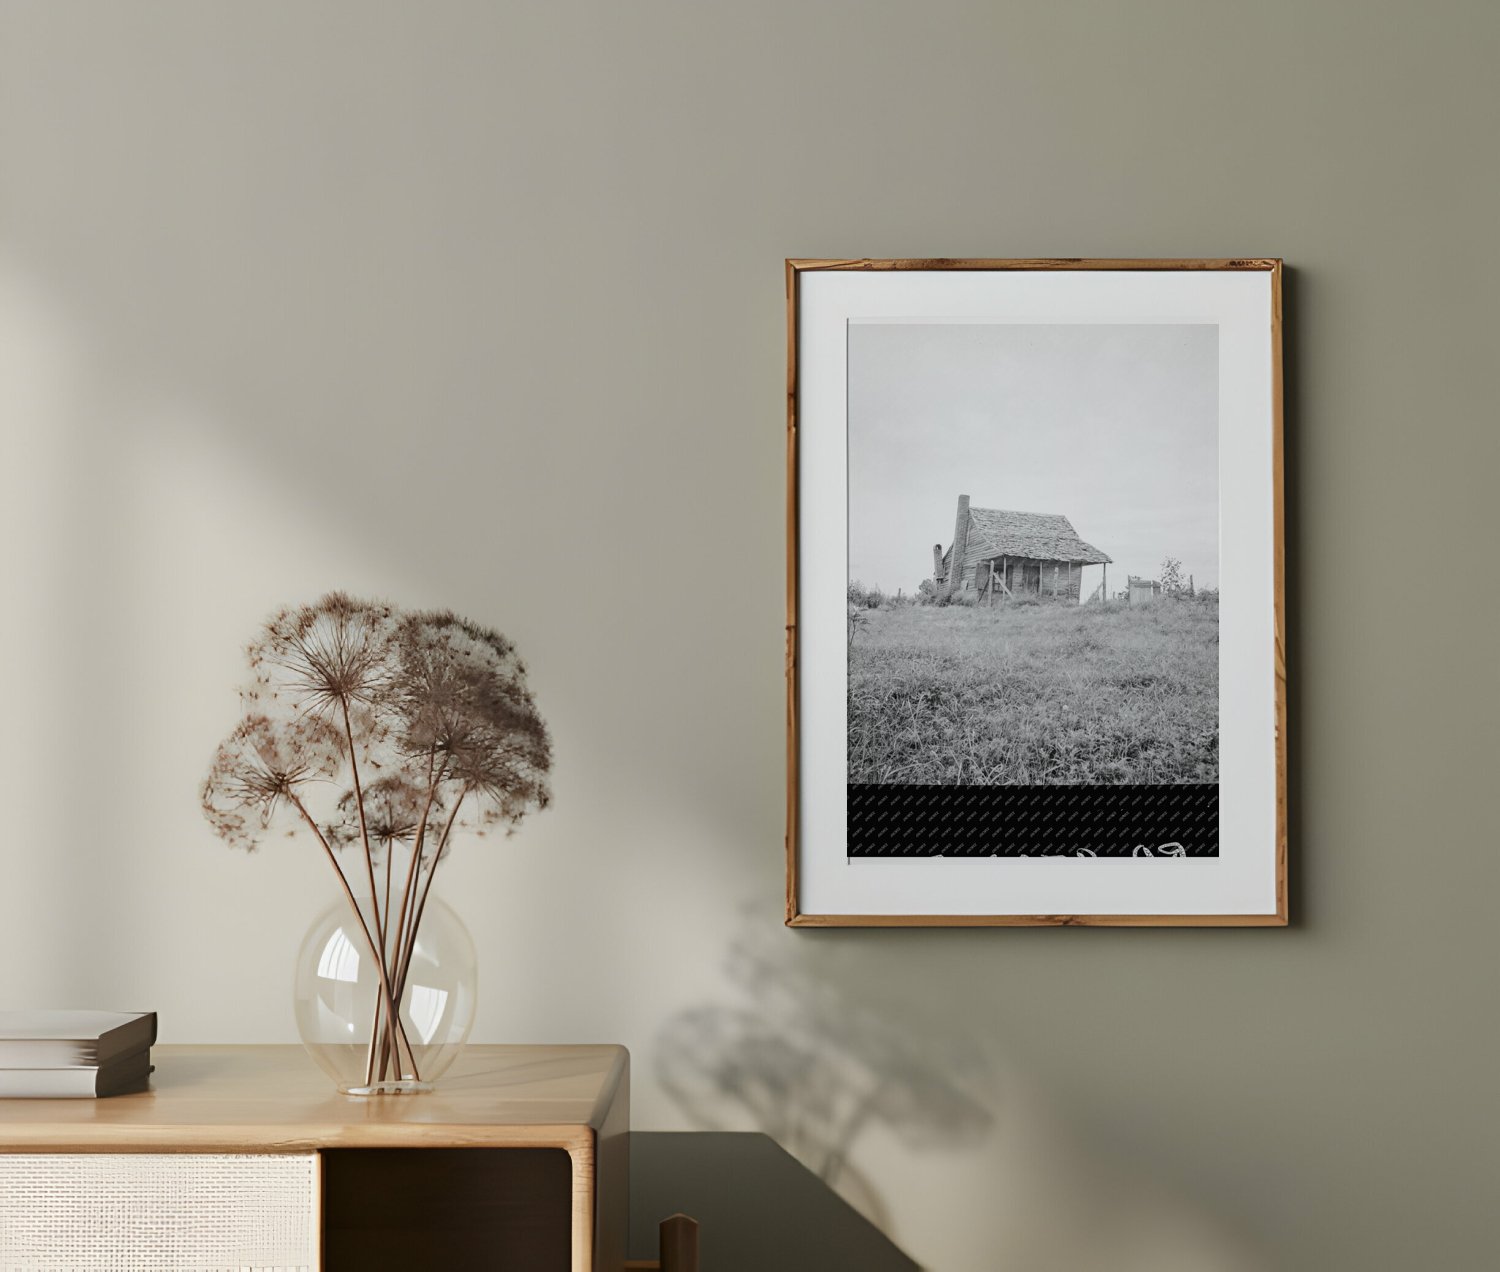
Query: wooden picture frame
[[1017, 304]]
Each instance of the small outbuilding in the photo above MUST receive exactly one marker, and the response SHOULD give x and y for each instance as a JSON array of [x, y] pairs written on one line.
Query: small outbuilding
[[1001, 554], [1142, 590]]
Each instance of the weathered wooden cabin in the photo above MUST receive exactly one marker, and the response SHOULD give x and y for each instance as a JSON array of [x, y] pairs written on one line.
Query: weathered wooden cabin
[[1000, 554]]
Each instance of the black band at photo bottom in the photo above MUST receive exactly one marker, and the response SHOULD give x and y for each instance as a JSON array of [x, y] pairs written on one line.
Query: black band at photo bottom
[[1033, 821]]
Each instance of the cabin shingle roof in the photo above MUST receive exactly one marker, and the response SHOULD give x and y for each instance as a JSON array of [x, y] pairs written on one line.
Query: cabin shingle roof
[[1042, 536]]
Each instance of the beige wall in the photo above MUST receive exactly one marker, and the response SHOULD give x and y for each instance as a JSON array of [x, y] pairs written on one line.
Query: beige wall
[[480, 305]]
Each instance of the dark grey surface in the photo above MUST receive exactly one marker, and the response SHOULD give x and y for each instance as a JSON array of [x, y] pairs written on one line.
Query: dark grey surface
[[758, 1207]]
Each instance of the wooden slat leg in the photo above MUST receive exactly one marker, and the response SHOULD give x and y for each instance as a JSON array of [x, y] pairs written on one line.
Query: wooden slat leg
[[679, 1244]]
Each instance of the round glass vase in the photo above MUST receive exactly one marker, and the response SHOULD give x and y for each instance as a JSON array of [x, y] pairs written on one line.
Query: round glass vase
[[340, 1000]]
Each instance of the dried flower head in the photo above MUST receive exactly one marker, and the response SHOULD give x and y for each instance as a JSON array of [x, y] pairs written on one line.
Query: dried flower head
[[394, 806], [261, 768], [461, 696], [324, 658]]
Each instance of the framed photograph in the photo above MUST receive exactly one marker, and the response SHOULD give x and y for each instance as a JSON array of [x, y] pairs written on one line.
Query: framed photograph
[[1035, 668]]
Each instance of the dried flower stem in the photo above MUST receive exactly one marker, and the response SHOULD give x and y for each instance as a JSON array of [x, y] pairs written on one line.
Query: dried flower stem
[[364, 832], [394, 1021], [364, 838], [403, 965], [385, 984], [385, 954], [434, 779], [387, 902]]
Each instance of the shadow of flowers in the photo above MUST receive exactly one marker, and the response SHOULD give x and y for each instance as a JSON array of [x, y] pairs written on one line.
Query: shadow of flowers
[[802, 1059]]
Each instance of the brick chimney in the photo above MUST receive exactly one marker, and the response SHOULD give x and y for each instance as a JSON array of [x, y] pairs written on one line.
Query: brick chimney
[[960, 546], [937, 562]]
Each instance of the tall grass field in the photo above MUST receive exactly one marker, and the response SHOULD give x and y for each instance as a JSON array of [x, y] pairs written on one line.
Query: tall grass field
[[1036, 694]]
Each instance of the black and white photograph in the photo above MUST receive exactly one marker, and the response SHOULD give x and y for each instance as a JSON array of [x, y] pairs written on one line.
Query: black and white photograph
[[1033, 591], [1036, 611]]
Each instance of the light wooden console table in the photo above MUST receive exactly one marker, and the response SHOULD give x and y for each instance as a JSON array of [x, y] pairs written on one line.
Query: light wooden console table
[[519, 1159]]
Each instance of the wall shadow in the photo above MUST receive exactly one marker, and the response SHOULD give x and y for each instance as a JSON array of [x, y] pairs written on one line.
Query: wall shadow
[[797, 1057], [926, 1129]]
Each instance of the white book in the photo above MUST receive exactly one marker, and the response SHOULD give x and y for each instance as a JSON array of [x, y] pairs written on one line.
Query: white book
[[120, 1076], [72, 1039]]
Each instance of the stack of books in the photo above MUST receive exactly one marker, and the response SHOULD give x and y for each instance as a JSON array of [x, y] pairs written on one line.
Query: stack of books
[[49, 1055]]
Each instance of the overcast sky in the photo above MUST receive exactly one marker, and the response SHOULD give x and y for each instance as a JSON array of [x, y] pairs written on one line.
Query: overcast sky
[[1114, 426]]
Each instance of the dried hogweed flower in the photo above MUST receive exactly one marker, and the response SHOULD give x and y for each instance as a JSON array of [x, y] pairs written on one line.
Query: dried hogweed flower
[[323, 658], [394, 806], [261, 768], [460, 693]]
